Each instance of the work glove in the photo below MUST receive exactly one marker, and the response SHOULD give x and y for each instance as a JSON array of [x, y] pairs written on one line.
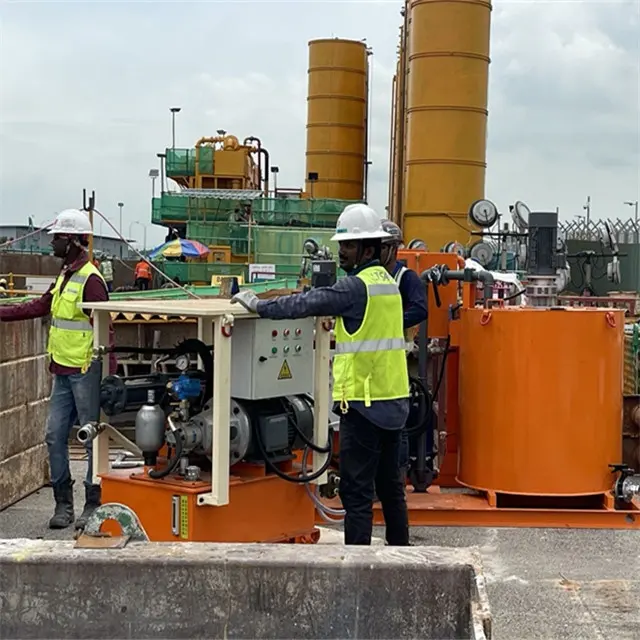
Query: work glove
[[248, 299]]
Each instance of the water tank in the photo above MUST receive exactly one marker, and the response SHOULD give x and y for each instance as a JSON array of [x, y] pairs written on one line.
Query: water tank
[[337, 118], [540, 400], [448, 76]]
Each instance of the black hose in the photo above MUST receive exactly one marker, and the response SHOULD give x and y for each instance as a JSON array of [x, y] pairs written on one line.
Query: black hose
[[420, 423], [301, 479], [309, 443], [172, 463], [443, 364]]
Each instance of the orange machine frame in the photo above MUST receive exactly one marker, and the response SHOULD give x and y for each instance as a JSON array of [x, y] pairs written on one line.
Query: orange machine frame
[[447, 502], [282, 509]]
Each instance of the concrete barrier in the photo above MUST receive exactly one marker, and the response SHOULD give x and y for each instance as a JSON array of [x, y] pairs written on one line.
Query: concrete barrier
[[25, 386], [49, 589]]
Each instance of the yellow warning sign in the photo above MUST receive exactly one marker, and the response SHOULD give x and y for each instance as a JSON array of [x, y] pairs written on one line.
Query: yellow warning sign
[[285, 372]]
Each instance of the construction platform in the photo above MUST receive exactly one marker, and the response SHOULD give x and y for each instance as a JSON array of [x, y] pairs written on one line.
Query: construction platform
[[541, 583]]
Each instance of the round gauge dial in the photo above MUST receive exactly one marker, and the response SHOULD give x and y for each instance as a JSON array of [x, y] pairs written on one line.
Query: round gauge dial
[[182, 362], [417, 245], [482, 252], [520, 214], [483, 213]]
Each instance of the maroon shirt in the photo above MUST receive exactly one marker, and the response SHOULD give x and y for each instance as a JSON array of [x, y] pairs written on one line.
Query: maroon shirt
[[94, 291]]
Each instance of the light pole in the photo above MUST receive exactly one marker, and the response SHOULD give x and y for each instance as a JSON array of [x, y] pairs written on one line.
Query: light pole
[[635, 214], [144, 233], [153, 174], [163, 157], [636, 235], [173, 110], [587, 208], [120, 205]]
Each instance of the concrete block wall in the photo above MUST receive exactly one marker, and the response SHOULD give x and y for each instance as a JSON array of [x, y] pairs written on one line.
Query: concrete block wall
[[25, 386]]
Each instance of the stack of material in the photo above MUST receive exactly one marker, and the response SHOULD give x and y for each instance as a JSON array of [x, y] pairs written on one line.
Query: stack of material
[[25, 386]]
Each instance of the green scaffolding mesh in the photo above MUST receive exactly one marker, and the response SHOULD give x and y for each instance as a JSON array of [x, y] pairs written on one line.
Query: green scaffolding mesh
[[269, 245], [177, 208], [180, 162]]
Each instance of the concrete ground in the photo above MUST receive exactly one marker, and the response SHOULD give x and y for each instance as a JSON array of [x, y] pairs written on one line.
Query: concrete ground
[[542, 583]]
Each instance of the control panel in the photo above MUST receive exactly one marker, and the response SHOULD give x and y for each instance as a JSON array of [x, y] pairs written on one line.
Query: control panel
[[271, 358]]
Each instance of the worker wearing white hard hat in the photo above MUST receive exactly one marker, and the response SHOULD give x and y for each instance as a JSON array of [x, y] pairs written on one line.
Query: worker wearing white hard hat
[[414, 306], [76, 379], [371, 385]]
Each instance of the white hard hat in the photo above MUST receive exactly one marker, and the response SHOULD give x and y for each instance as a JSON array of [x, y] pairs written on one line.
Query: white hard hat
[[359, 222], [72, 221]]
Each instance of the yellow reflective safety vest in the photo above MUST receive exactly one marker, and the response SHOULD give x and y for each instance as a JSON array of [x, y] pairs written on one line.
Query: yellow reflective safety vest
[[71, 333], [370, 365]]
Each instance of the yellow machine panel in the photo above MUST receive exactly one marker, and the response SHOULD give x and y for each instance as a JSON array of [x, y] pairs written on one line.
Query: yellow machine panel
[[337, 118], [448, 70]]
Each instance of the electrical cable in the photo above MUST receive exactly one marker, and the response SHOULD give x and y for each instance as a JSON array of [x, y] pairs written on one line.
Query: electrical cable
[[172, 463], [142, 257], [301, 479], [27, 235]]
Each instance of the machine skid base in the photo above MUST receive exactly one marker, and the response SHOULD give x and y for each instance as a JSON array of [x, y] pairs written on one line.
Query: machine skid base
[[451, 508], [260, 509]]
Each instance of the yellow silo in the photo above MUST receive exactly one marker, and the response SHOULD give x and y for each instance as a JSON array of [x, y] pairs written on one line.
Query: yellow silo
[[448, 76], [398, 128], [337, 118]]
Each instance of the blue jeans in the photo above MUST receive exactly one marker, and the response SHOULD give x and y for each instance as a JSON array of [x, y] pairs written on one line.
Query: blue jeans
[[75, 399]]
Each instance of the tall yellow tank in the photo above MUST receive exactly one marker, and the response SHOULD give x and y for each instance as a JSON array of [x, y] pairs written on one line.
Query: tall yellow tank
[[448, 47], [337, 118]]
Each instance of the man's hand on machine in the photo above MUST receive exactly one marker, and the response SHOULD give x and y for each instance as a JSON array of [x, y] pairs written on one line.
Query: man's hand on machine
[[248, 299]]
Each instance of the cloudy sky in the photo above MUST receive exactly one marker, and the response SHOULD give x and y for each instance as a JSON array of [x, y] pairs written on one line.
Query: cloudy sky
[[85, 91]]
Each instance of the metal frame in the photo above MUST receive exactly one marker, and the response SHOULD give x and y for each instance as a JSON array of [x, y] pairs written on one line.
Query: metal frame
[[215, 318]]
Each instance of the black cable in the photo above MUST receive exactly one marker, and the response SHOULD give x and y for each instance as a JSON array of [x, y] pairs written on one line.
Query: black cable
[[309, 443], [171, 463], [442, 366], [301, 479]]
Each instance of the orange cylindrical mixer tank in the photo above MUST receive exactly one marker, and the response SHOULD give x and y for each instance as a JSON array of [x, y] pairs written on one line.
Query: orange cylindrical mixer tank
[[337, 118], [446, 117], [540, 400]]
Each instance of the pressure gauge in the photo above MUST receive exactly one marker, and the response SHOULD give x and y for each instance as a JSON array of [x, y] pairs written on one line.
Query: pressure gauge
[[311, 246], [182, 362], [482, 252], [483, 213], [520, 214], [417, 245], [454, 247]]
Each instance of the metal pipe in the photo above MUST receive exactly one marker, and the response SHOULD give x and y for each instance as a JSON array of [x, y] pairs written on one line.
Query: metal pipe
[[367, 124], [90, 431], [392, 149], [263, 151]]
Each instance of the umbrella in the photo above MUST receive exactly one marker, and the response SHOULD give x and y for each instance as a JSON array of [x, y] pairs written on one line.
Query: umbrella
[[179, 247]]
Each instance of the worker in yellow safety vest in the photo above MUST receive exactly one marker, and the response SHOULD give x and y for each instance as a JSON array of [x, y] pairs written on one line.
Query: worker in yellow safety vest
[[75, 394], [371, 383]]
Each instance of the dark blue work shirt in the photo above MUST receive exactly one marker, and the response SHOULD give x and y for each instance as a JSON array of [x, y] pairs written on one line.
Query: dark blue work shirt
[[414, 296], [347, 298]]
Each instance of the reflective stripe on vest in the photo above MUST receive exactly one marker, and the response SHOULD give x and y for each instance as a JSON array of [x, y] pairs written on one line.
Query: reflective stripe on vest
[[398, 276], [370, 364], [71, 333], [107, 270]]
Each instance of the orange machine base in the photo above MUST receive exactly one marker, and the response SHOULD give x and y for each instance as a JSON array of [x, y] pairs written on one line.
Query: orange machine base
[[453, 508], [261, 508]]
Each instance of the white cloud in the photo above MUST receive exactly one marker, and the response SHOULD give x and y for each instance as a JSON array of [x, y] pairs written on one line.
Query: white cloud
[[85, 90]]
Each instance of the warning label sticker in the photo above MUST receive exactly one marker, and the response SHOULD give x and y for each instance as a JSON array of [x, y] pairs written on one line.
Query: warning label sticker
[[285, 372]]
